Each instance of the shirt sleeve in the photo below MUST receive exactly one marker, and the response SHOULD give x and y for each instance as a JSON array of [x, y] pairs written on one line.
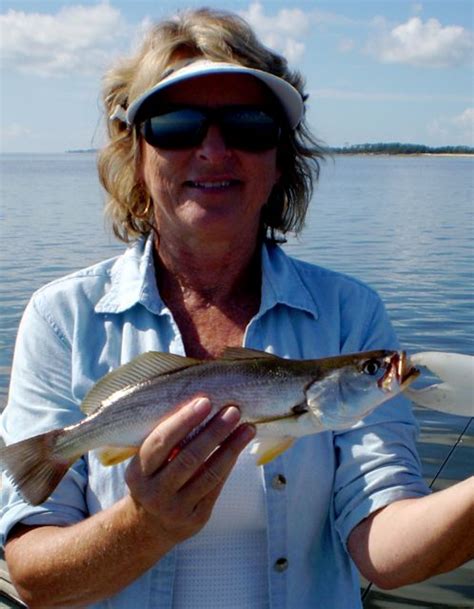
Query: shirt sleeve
[[40, 399], [377, 460]]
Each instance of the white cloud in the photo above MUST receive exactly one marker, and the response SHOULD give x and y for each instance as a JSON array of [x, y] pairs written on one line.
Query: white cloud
[[76, 38], [287, 21], [455, 130], [419, 43], [287, 30], [282, 32]]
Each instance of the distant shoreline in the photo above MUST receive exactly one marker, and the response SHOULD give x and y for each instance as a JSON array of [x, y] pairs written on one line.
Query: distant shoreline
[[406, 154], [400, 148], [82, 151], [370, 150]]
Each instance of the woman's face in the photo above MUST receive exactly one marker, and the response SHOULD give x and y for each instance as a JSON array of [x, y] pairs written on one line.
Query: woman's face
[[210, 191]]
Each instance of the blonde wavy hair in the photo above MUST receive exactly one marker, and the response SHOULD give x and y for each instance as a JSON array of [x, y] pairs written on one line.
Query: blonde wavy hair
[[218, 36]]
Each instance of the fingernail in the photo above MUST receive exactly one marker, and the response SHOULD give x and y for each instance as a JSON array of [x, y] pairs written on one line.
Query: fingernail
[[202, 406], [248, 433], [230, 415]]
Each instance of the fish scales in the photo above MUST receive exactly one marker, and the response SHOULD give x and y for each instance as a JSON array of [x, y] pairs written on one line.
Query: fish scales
[[285, 399], [260, 391]]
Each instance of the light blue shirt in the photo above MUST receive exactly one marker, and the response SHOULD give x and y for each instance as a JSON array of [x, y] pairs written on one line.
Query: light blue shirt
[[80, 327]]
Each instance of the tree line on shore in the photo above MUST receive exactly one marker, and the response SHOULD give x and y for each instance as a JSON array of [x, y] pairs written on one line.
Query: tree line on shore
[[378, 148], [400, 148]]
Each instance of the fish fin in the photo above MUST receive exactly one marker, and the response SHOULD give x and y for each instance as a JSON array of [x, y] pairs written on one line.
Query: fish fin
[[34, 467], [444, 398], [267, 449], [244, 353], [111, 455], [139, 370]]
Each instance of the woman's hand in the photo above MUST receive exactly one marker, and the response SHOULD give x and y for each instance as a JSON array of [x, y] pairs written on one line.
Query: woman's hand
[[176, 489], [171, 498]]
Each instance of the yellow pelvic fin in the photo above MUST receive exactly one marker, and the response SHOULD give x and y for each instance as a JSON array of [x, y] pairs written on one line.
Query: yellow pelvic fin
[[270, 448], [111, 455]]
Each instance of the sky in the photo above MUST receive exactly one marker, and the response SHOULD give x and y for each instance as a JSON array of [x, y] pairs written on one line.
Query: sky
[[376, 71]]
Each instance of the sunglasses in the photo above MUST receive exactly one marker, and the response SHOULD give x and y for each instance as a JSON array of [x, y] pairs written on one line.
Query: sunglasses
[[243, 127]]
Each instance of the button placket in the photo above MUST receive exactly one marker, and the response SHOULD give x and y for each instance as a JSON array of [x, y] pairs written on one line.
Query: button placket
[[276, 505]]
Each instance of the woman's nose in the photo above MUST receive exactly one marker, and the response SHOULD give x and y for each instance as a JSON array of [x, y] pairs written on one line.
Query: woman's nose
[[213, 144]]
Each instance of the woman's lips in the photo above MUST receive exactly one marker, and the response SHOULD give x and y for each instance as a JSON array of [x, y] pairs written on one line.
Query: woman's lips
[[211, 185]]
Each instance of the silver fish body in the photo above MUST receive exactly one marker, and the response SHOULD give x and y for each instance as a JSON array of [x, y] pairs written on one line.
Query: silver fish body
[[283, 398]]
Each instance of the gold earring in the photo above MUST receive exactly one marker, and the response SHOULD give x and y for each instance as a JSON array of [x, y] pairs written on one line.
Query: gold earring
[[143, 215]]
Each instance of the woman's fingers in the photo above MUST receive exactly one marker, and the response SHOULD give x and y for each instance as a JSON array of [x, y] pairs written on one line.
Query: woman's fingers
[[177, 486], [169, 433], [210, 478], [191, 457], [195, 501], [162, 467]]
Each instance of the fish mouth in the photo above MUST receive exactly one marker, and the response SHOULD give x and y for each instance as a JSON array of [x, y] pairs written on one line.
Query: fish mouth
[[399, 372]]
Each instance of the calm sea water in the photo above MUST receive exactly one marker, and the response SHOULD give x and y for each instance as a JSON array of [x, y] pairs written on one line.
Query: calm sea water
[[404, 225]]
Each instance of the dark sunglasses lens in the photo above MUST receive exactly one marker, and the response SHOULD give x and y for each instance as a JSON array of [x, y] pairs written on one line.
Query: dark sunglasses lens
[[250, 129], [178, 129]]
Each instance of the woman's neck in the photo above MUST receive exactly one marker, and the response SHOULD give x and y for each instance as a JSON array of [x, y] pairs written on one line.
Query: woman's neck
[[214, 272], [212, 294]]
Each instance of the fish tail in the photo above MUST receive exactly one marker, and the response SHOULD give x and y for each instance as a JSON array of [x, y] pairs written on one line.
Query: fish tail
[[35, 465]]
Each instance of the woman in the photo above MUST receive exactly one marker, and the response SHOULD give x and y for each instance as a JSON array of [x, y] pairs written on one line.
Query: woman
[[208, 160]]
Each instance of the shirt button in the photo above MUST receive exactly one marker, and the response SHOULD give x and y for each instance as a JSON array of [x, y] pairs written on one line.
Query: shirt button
[[281, 564], [278, 482]]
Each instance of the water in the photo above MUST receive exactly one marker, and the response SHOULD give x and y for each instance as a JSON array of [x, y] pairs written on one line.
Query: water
[[403, 225], [51, 223]]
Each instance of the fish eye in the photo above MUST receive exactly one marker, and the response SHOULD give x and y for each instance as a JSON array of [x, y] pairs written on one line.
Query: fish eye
[[371, 367]]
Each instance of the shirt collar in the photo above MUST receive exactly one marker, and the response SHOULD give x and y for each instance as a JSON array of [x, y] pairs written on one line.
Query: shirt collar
[[133, 281], [283, 282]]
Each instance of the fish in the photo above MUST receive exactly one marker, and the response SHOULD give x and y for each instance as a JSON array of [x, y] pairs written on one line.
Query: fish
[[283, 398]]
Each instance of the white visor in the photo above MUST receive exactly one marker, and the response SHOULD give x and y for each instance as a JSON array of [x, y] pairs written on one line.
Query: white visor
[[289, 98]]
